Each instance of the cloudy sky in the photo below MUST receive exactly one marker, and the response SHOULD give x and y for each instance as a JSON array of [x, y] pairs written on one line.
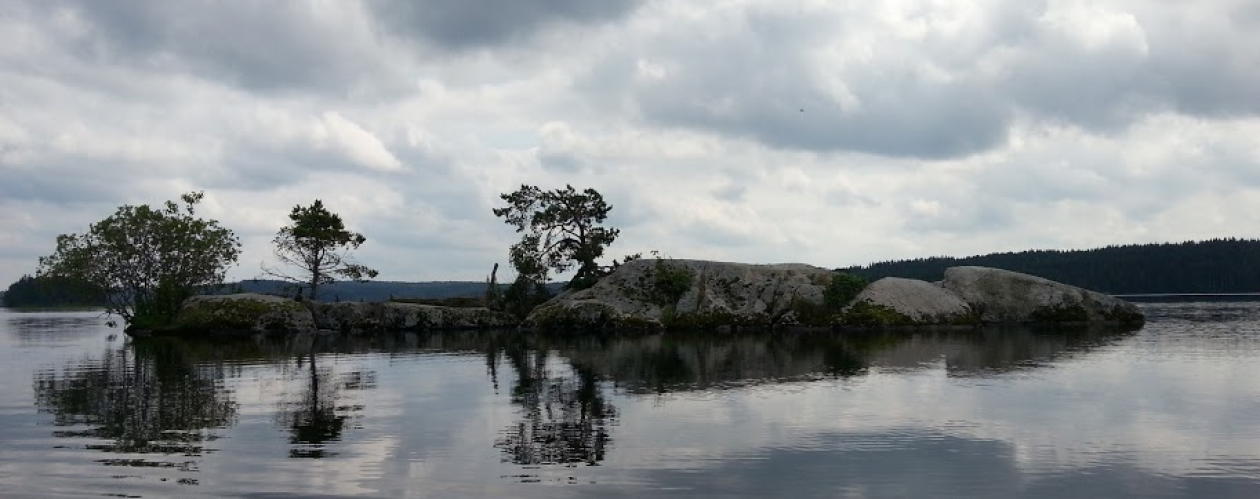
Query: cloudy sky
[[826, 132]]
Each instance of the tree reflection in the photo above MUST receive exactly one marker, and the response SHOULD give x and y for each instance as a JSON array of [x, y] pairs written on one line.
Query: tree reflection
[[148, 398], [564, 417], [316, 419]]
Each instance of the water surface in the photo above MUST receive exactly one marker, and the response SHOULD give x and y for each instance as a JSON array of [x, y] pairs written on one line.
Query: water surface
[[1171, 410]]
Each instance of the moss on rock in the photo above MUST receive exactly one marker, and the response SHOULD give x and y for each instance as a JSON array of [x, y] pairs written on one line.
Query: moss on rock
[[241, 314]]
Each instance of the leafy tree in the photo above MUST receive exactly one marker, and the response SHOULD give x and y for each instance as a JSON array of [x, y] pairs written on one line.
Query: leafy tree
[[145, 262], [319, 245], [562, 229]]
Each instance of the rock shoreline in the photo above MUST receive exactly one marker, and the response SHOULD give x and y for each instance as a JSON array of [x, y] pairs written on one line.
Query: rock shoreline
[[658, 294], [722, 295], [248, 314]]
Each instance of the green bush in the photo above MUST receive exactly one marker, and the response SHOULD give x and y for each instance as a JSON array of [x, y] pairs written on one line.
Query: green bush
[[867, 314], [670, 282], [844, 287]]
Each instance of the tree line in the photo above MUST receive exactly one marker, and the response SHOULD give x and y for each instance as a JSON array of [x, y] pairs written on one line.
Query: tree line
[[1224, 265], [143, 262]]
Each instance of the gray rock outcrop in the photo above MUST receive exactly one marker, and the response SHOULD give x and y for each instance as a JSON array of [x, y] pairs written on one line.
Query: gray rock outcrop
[[920, 302], [253, 314], [242, 314], [1005, 297], [655, 294], [354, 318]]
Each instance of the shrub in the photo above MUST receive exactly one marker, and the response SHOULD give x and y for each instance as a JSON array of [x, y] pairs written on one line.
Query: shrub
[[844, 287], [670, 282]]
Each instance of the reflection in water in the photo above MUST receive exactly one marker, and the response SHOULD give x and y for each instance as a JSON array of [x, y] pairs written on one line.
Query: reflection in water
[[681, 361], [41, 328], [148, 399], [1167, 412], [564, 418], [167, 397], [316, 419]]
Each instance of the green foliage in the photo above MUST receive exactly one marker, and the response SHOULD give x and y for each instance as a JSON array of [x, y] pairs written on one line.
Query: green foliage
[[867, 314], [524, 295], [146, 261], [48, 291], [670, 282], [318, 244], [561, 229], [235, 316], [842, 289]]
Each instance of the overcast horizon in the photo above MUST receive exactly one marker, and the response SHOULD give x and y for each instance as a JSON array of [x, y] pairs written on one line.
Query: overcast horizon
[[829, 133]]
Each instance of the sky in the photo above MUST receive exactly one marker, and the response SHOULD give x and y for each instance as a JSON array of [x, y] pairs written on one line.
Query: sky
[[833, 133]]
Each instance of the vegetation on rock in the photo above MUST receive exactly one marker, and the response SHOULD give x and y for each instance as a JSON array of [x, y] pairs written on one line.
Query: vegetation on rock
[[842, 289], [867, 314], [318, 244], [144, 261], [561, 228]]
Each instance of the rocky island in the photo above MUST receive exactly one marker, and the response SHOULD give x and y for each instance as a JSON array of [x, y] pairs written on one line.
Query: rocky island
[[658, 294]]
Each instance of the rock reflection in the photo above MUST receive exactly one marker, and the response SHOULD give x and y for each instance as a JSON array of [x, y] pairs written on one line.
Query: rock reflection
[[682, 362], [149, 399]]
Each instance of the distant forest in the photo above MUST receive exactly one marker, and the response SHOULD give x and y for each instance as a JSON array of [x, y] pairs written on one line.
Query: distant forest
[[49, 292], [1213, 266], [370, 291]]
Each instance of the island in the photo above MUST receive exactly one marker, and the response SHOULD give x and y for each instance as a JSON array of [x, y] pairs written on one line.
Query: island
[[665, 294]]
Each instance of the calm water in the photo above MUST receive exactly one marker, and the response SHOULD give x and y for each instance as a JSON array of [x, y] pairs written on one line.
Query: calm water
[[1172, 410]]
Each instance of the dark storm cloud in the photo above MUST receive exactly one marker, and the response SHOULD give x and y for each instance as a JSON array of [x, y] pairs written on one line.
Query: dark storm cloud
[[481, 23], [265, 46]]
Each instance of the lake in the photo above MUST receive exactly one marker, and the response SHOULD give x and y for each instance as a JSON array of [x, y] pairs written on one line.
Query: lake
[[1170, 410]]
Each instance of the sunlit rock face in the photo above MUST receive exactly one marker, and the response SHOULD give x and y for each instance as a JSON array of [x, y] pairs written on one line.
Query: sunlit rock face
[[654, 294]]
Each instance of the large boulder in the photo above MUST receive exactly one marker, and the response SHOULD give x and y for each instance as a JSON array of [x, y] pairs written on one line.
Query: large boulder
[[1005, 297], [657, 293], [907, 302], [357, 317], [241, 314]]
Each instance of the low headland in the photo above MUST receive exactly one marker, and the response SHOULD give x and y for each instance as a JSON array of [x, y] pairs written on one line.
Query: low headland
[[669, 294]]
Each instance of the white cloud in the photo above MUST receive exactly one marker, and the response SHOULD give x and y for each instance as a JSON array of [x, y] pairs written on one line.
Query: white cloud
[[834, 134]]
